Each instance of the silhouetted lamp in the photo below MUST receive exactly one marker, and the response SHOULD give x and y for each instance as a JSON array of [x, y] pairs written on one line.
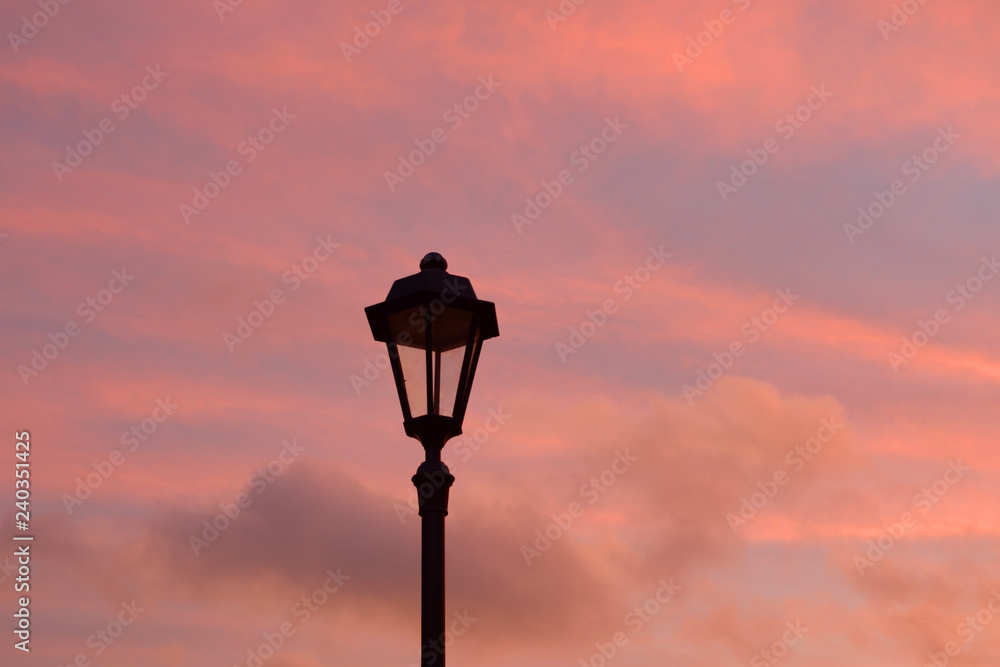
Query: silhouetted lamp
[[433, 327]]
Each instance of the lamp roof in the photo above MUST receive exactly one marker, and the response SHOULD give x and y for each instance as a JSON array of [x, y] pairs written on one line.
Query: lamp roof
[[433, 282]]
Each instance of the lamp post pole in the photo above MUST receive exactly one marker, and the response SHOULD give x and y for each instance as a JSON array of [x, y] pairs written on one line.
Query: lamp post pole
[[432, 481], [434, 318]]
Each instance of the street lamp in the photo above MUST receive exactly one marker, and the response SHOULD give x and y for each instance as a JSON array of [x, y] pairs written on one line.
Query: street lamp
[[433, 327]]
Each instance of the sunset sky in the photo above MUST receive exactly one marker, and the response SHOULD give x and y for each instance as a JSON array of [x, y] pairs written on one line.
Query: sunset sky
[[743, 405]]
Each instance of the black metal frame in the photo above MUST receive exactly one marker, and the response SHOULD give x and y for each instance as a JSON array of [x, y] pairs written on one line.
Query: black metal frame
[[433, 479]]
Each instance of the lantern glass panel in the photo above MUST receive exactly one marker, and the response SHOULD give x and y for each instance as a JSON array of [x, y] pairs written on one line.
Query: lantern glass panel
[[451, 371], [431, 340], [414, 364]]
